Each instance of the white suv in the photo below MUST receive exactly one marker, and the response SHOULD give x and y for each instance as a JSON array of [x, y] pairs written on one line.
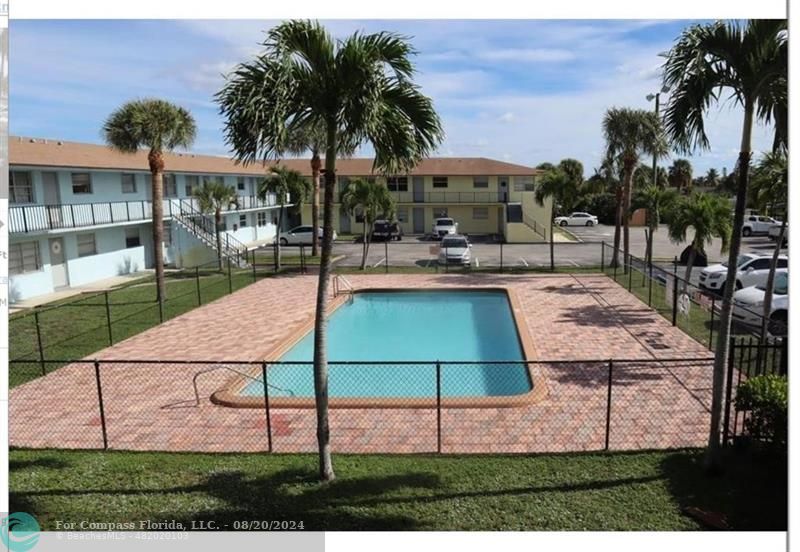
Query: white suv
[[576, 219], [748, 303], [444, 226], [751, 270], [754, 224]]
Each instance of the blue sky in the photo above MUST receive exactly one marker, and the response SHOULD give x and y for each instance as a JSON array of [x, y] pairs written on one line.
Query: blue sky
[[522, 91]]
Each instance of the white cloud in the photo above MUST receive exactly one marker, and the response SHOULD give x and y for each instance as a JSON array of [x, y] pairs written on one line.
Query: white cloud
[[530, 55], [506, 117]]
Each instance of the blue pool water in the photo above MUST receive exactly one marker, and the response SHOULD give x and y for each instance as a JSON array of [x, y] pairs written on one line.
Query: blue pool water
[[466, 326]]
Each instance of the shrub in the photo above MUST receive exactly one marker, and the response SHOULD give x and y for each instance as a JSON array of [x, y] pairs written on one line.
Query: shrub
[[603, 205], [767, 399]]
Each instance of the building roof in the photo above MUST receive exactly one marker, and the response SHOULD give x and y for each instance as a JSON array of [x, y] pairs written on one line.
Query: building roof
[[40, 152]]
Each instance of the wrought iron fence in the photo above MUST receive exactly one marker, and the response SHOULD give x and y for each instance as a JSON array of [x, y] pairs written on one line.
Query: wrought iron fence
[[387, 407]]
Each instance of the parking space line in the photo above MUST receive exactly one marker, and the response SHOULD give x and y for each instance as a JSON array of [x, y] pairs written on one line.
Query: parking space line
[[523, 261], [477, 262], [379, 263]]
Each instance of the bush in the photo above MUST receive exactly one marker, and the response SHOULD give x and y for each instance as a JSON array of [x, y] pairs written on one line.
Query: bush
[[603, 205], [767, 399]]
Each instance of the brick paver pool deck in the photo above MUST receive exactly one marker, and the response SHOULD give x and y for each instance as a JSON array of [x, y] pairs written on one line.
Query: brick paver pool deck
[[577, 318]]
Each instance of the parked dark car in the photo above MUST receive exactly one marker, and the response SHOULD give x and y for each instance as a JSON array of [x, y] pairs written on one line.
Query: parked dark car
[[385, 230]]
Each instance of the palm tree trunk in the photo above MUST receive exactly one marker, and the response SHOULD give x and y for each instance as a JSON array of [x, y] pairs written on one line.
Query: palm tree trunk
[[617, 226], [626, 212], [278, 238], [689, 266], [316, 165], [364, 246], [156, 161], [217, 228], [714, 451], [321, 319], [771, 278]]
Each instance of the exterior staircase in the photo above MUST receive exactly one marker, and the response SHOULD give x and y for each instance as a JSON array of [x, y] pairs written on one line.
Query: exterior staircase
[[202, 227]]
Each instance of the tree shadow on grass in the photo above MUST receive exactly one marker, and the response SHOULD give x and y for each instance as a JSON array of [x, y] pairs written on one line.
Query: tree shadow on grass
[[751, 494]]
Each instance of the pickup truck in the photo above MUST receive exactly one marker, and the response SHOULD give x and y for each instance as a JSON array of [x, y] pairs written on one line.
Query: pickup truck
[[757, 224]]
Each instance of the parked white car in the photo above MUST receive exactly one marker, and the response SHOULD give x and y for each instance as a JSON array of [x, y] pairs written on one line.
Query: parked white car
[[748, 302], [576, 219], [758, 225], [455, 249], [775, 231], [444, 226], [300, 235], [751, 270]]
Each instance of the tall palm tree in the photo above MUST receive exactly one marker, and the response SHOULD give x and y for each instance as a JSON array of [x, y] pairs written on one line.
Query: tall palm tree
[[643, 177], [655, 200], [214, 196], [564, 183], [360, 90], [712, 178], [158, 126], [771, 183], [310, 138], [609, 173], [371, 200], [680, 174], [630, 133], [748, 63], [285, 183], [708, 216]]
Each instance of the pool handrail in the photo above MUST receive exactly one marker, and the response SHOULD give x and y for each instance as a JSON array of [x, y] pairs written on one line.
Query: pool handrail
[[223, 367], [338, 281]]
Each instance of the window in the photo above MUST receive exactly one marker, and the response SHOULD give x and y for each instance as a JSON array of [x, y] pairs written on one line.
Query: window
[[480, 213], [170, 187], [440, 182], [759, 264], [402, 214], [132, 238], [397, 183], [242, 221], [128, 183], [21, 187], [167, 233], [86, 245], [23, 257], [261, 219], [480, 181], [783, 263], [523, 184], [81, 183], [240, 183], [192, 183]]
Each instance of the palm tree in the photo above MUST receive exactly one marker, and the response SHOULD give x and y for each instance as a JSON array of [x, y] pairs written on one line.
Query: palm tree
[[372, 201], [708, 216], [771, 183], [748, 62], [712, 178], [608, 173], [630, 133], [158, 126], [214, 196], [311, 139], [564, 183], [655, 200], [360, 90], [680, 174], [643, 177], [283, 183]]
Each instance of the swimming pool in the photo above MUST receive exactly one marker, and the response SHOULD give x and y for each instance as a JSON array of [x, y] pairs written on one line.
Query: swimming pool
[[391, 341]]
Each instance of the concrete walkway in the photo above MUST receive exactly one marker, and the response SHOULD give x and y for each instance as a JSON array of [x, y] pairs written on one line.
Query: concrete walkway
[[100, 285]]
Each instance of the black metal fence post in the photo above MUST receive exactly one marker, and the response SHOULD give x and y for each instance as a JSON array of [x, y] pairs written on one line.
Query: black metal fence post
[[603, 256], [100, 404], [675, 292], [446, 261], [438, 407], [39, 341], [711, 325], [501, 256], [275, 254], [160, 309], [108, 320], [254, 265], [230, 279], [650, 282], [630, 272], [197, 282], [608, 402], [302, 259], [386, 255], [266, 405]]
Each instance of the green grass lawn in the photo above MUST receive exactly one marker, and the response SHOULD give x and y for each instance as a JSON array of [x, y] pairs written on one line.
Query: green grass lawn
[[79, 327], [622, 491]]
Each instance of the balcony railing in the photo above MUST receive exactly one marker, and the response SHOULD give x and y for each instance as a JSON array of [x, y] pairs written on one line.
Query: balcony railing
[[450, 197], [26, 219]]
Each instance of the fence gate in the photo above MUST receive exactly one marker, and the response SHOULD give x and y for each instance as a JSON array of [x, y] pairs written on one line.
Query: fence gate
[[749, 357]]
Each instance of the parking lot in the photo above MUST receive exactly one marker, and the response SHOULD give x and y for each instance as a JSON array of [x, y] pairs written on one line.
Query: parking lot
[[416, 251]]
